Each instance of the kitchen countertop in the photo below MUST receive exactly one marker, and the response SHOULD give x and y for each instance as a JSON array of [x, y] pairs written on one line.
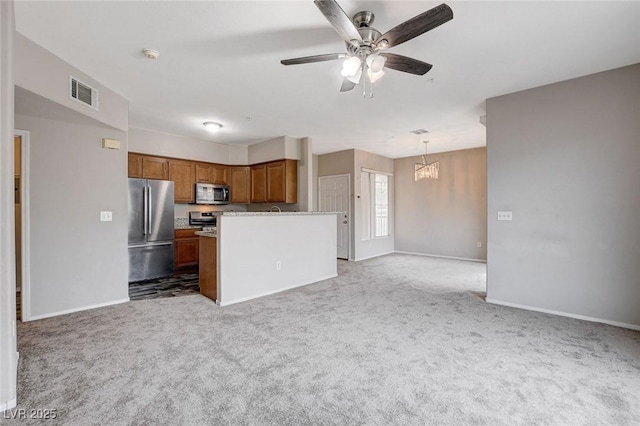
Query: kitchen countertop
[[188, 227], [276, 213], [207, 234]]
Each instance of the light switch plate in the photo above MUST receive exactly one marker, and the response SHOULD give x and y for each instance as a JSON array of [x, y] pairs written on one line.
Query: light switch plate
[[505, 216], [106, 217]]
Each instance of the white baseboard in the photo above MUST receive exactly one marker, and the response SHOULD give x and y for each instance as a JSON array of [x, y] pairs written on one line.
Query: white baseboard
[[564, 314], [69, 311], [442, 257], [4, 406], [373, 256], [267, 293]]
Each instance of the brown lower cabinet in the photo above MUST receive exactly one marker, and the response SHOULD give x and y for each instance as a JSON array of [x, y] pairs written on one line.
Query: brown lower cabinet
[[208, 270], [186, 250]]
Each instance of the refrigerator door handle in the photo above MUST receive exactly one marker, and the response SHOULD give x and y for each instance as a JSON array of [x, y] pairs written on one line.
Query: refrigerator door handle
[[149, 207], [145, 212], [164, 243]]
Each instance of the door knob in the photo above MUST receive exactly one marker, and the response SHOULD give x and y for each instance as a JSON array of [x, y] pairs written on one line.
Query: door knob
[[344, 221]]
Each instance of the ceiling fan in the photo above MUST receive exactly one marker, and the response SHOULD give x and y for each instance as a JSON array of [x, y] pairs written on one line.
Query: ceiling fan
[[366, 46]]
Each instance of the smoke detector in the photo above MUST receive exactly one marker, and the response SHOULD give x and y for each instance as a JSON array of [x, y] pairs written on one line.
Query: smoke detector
[[150, 53]]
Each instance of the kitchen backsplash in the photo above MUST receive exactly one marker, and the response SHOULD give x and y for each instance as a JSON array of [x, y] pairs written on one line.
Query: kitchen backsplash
[[180, 222]]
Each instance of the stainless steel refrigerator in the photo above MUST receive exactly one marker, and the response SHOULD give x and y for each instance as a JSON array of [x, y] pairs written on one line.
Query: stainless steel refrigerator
[[151, 229]]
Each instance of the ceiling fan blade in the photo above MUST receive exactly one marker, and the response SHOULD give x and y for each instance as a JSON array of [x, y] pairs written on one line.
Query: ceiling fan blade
[[311, 59], [339, 20], [347, 85], [405, 64], [415, 26]]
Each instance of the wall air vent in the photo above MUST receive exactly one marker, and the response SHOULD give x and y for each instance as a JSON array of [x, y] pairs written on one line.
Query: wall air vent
[[83, 93]]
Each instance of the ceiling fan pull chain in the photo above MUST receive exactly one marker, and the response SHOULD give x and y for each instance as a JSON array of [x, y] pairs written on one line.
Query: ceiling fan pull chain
[[364, 80]]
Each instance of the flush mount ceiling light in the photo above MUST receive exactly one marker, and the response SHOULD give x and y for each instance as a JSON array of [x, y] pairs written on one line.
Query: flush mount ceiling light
[[426, 170], [150, 53], [212, 126]]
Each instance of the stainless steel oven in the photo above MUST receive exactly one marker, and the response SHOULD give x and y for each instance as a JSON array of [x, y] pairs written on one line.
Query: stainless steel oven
[[204, 219]]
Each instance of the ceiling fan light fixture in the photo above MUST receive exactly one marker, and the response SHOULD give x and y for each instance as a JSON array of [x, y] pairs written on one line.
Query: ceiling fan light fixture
[[375, 62], [374, 76], [355, 79], [212, 126], [350, 66]]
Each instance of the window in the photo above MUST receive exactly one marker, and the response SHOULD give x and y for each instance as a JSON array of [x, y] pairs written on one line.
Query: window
[[374, 193]]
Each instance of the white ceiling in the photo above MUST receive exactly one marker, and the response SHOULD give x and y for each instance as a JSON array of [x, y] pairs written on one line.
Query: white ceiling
[[220, 61]]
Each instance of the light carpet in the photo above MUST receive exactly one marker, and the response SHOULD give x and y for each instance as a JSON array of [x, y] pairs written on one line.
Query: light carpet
[[398, 339]]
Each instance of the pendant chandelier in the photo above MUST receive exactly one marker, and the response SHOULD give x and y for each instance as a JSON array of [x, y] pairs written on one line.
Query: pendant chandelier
[[426, 170]]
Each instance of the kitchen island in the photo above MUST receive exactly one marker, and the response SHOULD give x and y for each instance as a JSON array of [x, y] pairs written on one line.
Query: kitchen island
[[253, 254]]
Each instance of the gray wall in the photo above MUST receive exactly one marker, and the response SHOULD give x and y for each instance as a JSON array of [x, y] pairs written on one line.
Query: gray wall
[[447, 216], [158, 143], [43, 73], [8, 355], [76, 261], [564, 158]]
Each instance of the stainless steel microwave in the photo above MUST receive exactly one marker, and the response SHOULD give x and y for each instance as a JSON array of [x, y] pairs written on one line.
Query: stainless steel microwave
[[207, 193]]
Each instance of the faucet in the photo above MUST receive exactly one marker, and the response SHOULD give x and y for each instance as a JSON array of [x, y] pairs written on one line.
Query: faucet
[[279, 210]]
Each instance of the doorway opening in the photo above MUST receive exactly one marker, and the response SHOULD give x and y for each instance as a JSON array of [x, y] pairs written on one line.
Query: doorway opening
[[21, 214], [17, 192]]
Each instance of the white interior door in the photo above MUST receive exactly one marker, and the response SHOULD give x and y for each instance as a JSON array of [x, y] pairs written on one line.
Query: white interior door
[[334, 196]]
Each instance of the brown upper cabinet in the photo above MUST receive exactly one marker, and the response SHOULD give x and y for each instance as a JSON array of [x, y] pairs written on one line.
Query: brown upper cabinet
[[259, 183], [183, 175], [282, 181], [273, 182], [135, 166], [148, 167], [240, 184], [204, 172], [155, 168], [220, 174], [212, 173]]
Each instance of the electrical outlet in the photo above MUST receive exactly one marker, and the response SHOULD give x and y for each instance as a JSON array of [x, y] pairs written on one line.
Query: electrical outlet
[[106, 216], [278, 265], [479, 244], [505, 216]]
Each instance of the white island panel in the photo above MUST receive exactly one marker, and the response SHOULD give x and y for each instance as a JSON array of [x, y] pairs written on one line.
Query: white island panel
[[265, 254]]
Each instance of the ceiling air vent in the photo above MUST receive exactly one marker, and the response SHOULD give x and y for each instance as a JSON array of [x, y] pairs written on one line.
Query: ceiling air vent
[[83, 93], [419, 131]]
